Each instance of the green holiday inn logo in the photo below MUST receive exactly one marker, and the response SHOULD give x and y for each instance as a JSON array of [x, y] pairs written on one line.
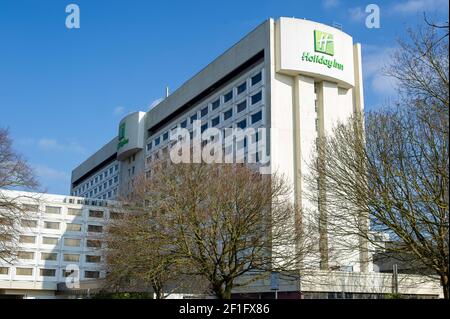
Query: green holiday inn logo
[[122, 140], [323, 43]]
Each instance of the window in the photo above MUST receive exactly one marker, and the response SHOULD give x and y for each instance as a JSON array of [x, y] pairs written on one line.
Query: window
[[52, 210], [111, 170], [74, 212], [204, 111], [96, 213], [93, 259], [4, 270], [49, 256], [215, 104], [256, 117], [93, 243], [27, 239], [73, 227], [72, 257], [227, 114], [96, 179], [6, 221], [165, 136], [116, 179], [27, 255], [215, 121], [51, 225], [193, 117], [91, 274], [28, 223], [157, 141], [50, 241], [203, 127], [257, 97], [95, 228], [110, 182], [24, 271], [256, 78], [44, 272], [67, 273], [183, 124], [72, 242], [31, 208], [115, 215], [149, 146], [242, 124], [241, 106], [228, 96], [241, 88], [116, 167]]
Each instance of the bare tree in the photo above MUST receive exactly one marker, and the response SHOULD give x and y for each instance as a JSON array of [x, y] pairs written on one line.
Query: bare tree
[[15, 173], [223, 223], [390, 171], [138, 253]]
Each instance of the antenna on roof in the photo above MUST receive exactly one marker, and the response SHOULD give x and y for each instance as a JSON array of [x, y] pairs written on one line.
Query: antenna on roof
[[337, 25], [167, 92]]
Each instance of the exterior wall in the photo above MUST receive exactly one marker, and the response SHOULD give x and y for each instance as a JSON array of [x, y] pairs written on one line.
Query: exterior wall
[[89, 178], [308, 100], [62, 248], [103, 183], [254, 81]]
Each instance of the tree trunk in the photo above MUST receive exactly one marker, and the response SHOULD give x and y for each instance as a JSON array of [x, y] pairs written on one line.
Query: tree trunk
[[227, 291], [444, 282], [157, 288]]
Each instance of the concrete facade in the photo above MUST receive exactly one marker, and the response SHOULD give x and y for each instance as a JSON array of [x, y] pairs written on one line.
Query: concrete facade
[[295, 78]]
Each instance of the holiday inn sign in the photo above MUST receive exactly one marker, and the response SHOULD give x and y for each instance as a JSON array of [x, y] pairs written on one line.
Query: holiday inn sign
[[323, 43]]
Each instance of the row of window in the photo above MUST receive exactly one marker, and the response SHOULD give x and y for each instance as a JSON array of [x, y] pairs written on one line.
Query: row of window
[[48, 272], [30, 255], [98, 179], [68, 242], [98, 189], [70, 227], [224, 116], [70, 212]]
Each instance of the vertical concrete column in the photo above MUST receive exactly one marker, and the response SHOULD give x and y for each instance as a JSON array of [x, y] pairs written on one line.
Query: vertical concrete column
[[358, 104]]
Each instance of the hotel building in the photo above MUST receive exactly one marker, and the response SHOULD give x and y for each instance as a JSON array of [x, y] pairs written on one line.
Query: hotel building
[[295, 78]]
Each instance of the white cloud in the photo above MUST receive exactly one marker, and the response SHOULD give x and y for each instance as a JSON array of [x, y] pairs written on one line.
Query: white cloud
[[356, 14], [49, 144], [48, 173], [329, 4], [418, 6], [375, 59], [119, 111]]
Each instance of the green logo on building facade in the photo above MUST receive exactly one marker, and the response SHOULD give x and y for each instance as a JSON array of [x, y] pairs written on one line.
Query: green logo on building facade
[[323, 42], [122, 140]]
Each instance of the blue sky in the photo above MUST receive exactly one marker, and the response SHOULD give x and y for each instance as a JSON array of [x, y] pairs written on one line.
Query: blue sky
[[63, 92]]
